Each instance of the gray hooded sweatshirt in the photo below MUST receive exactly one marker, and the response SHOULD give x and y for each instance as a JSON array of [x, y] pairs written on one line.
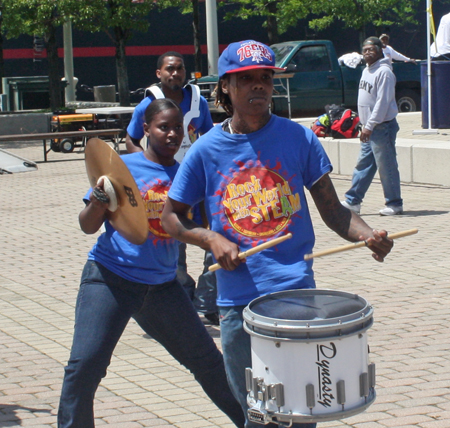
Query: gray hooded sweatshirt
[[376, 96]]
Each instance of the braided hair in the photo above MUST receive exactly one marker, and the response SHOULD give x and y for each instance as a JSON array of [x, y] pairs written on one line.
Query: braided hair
[[222, 99]]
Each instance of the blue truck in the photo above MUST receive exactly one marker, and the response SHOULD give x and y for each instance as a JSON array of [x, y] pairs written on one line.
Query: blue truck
[[318, 79]]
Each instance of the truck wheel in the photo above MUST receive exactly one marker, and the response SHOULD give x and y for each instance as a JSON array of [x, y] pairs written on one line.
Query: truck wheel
[[67, 145], [54, 146], [408, 100]]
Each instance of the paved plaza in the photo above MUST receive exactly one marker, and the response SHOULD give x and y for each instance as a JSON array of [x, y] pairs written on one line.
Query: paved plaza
[[42, 253]]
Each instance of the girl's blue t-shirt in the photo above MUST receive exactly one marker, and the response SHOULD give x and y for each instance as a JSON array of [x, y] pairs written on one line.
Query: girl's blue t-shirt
[[253, 185], [155, 261]]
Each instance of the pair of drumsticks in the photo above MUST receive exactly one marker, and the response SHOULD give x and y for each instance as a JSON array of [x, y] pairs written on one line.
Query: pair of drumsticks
[[277, 241]]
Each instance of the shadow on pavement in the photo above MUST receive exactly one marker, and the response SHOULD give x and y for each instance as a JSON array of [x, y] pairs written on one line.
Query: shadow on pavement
[[8, 414]]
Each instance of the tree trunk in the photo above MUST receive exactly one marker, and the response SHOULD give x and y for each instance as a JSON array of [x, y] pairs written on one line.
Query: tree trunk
[[272, 25], [362, 35], [196, 31], [121, 67], [56, 99]]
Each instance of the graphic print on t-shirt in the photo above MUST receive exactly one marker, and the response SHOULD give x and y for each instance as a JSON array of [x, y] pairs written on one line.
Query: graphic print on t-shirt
[[258, 201], [192, 133], [154, 197]]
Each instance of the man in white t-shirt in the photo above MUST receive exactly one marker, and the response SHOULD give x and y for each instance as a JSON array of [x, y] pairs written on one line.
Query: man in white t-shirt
[[440, 49], [390, 53]]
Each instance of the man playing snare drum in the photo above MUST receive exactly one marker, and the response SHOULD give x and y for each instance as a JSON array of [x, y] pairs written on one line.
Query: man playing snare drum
[[251, 170]]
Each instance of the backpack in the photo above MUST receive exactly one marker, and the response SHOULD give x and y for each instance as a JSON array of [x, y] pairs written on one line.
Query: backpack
[[321, 126], [344, 122]]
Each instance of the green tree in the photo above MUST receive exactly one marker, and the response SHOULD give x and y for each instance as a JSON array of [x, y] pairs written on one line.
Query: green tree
[[119, 20], [358, 14], [279, 15], [43, 18], [187, 7]]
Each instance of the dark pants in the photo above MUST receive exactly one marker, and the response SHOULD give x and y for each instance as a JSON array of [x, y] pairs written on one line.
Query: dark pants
[[105, 304], [205, 295]]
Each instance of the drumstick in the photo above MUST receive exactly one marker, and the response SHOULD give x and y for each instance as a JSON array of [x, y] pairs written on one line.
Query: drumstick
[[255, 250], [358, 244]]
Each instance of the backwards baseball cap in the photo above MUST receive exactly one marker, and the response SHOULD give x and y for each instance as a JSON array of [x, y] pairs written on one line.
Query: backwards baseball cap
[[373, 41], [246, 55]]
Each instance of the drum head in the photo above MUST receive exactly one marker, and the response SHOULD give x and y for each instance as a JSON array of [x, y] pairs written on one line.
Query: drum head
[[307, 314]]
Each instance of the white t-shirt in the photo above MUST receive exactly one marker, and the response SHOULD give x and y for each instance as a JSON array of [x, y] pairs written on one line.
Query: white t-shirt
[[441, 46], [390, 53]]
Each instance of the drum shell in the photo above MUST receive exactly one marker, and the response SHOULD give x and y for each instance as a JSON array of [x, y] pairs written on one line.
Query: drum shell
[[317, 352]]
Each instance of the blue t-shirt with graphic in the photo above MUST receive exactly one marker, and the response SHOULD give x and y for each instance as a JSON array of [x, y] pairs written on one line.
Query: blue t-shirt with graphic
[[155, 261], [198, 126], [253, 185]]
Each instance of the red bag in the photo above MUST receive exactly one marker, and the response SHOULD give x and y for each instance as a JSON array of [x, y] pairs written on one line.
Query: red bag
[[347, 126]]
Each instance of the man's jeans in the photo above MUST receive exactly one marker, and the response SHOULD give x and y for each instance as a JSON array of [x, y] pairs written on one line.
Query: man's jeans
[[105, 304], [236, 348], [379, 153]]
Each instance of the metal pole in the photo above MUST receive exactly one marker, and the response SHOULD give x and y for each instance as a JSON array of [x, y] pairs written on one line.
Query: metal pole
[[212, 37], [429, 60], [68, 61]]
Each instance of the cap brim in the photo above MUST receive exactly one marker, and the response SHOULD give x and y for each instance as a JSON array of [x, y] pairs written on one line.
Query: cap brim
[[254, 67]]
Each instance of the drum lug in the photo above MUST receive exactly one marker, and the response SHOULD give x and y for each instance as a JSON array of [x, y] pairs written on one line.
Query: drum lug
[[340, 393], [364, 385], [367, 381], [248, 379], [310, 396], [371, 370], [276, 392]]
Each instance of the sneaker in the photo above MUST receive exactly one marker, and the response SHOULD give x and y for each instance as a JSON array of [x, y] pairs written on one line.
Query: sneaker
[[391, 210], [355, 208]]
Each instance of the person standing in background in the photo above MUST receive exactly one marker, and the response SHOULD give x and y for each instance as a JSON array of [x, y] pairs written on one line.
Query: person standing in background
[[390, 53], [377, 109]]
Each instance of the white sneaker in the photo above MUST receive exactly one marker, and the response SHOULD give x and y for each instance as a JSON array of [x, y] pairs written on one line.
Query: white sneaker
[[355, 208], [391, 210]]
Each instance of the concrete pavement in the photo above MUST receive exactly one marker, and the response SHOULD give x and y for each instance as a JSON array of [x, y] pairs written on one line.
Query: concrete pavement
[[43, 252]]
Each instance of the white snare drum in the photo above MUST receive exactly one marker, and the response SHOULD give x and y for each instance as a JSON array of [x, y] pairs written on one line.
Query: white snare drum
[[310, 359]]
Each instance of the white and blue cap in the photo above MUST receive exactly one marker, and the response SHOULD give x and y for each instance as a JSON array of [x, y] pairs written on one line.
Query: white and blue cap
[[246, 55]]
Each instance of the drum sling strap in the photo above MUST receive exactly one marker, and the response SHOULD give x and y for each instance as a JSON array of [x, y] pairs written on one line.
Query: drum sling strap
[[193, 113]]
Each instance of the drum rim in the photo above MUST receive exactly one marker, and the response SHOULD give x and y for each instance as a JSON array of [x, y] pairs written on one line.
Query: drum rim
[[320, 417], [275, 327]]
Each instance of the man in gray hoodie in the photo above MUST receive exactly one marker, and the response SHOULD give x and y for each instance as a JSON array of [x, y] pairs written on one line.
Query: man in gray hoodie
[[377, 110]]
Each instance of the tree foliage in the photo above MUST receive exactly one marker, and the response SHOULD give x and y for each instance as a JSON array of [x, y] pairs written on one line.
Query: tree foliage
[[358, 14], [279, 15], [119, 20], [188, 7], [40, 18]]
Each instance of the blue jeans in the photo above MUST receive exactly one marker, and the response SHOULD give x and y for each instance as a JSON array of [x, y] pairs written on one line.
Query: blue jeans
[[105, 304], [236, 347], [378, 153]]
